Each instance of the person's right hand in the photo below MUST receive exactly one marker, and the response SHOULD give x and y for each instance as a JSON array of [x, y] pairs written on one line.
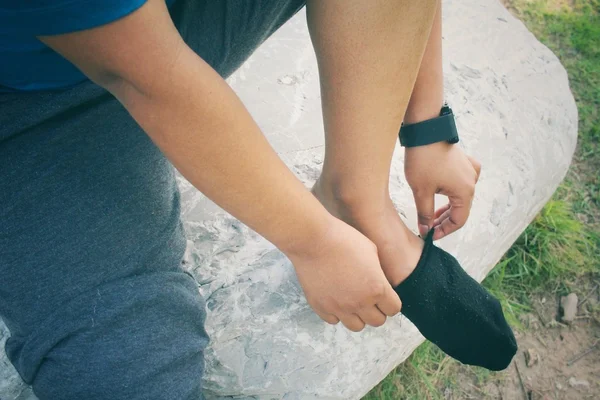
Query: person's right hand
[[441, 168], [343, 281]]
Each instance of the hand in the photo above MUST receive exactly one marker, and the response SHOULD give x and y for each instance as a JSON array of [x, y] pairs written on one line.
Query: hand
[[343, 281], [441, 168]]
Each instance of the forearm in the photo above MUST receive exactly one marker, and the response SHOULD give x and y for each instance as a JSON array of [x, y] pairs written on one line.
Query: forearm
[[204, 129], [427, 96]]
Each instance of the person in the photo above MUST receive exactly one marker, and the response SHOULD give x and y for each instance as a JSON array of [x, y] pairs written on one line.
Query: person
[[99, 99]]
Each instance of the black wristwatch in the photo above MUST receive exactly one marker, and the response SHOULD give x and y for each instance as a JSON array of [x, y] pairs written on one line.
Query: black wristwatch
[[438, 129]]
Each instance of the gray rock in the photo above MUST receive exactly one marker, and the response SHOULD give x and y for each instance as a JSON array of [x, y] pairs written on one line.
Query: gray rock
[[569, 307], [515, 113]]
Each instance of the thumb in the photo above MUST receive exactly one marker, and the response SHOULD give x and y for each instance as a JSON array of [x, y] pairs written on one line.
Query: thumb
[[425, 211]]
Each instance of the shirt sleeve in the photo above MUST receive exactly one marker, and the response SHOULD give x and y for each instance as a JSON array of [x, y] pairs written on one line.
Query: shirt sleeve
[[53, 17]]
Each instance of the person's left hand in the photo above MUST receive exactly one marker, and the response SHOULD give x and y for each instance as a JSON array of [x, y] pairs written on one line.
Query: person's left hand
[[445, 169]]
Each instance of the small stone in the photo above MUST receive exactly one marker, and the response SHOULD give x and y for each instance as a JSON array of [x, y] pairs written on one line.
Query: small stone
[[569, 307], [531, 357], [559, 386], [578, 384]]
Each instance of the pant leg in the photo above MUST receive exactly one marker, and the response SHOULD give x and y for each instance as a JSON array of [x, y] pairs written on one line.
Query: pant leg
[[90, 238], [92, 291], [226, 32]]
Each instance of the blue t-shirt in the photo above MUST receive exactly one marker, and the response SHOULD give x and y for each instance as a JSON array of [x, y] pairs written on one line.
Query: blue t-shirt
[[26, 64]]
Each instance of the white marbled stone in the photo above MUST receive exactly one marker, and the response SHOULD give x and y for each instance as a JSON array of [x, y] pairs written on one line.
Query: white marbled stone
[[515, 113]]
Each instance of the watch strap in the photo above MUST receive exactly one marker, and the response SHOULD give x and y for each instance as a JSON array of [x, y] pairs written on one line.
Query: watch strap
[[438, 129]]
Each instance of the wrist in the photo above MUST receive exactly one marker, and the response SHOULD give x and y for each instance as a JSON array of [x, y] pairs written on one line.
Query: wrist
[[307, 236], [438, 129], [426, 151]]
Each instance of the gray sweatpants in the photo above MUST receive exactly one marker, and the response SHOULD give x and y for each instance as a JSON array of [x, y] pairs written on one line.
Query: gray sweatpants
[[91, 241]]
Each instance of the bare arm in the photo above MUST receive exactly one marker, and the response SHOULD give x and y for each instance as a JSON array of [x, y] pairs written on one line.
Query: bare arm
[[194, 117], [455, 174], [202, 127]]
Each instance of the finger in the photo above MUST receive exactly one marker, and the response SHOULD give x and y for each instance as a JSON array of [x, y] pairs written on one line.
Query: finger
[[456, 219], [390, 304], [425, 211], [476, 165], [438, 221], [441, 211], [352, 322], [372, 316], [329, 318]]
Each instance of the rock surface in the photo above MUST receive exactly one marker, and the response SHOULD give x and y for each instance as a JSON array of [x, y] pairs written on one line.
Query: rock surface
[[515, 113]]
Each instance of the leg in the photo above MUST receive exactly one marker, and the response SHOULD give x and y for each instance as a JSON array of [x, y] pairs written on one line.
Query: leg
[[238, 26], [368, 63], [93, 293], [369, 56]]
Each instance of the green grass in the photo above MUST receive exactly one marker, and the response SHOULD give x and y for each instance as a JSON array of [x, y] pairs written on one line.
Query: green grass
[[418, 378], [553, 252], [557, 251]]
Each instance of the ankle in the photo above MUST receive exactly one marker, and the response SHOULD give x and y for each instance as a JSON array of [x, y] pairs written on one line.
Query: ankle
[[350, 200], [373, 215]]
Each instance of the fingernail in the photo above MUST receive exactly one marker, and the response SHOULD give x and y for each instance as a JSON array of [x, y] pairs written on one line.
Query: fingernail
[[423, 229]]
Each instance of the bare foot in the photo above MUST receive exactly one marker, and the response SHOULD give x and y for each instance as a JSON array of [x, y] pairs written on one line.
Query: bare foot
[[398, 248]]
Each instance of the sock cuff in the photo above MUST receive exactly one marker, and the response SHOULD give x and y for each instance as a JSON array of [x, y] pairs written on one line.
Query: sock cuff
[[419, 270]]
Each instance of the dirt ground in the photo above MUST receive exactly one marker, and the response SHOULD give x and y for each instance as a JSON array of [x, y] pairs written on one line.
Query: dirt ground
[[564, 359]]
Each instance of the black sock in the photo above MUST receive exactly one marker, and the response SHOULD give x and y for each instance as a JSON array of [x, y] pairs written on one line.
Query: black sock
[[455, 312]]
